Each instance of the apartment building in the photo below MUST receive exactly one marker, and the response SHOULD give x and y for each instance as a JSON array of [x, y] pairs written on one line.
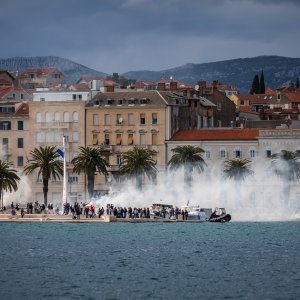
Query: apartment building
[[118, 121], [50, 121]]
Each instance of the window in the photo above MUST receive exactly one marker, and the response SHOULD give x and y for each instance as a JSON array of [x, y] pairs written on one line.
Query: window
[[47, 117], [242, 102], [207, 153], [79, 97], [142, 119], [106, 139], [75, 117], [142, 139], [57, 116], [223, 153], [130, 139], [252, 153], [74, 96], [119, 119], [154, 139], [20, 161], [20, 142], [66, 116], [5, 125], [95, 119], [106, 119], [130, 119], [219, 123], [95, 139], [237, 153], [20, 125], [268, 153], [39, 137], [75, 136], [154, 118], [22, 96], [219, 106], [5, 142], [119, 160], [119, 139]]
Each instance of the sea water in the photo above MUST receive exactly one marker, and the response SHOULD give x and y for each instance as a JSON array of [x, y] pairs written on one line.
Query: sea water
[[236, 260]]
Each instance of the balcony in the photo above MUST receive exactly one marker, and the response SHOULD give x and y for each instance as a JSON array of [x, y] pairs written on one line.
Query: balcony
[[54, 125]]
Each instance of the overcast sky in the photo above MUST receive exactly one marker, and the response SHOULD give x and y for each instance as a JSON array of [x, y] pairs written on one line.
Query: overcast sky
[[125, 35]]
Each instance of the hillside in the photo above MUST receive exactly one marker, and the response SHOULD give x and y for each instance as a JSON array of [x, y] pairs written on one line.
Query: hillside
[[277, 70], [72, 70]]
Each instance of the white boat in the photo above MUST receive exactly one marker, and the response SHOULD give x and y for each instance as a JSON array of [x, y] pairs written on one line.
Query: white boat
[[197, 212]]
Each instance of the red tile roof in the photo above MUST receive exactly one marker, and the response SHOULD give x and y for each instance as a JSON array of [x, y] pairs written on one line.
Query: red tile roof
[[5, 90], [256, 98], [23, 109], [216, 134], [293, 97], [39, 71], [247, 109]]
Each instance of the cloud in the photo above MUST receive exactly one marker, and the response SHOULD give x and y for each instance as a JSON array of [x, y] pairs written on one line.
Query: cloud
[[122, 35]]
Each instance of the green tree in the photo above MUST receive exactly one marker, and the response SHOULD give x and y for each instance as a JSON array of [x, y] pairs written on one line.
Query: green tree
[[8, 179], [137, 163], [45, 161], [297, 83], [286, 165], [255, 88], [262, 88], [90, 160], [190, 158], [237, 169]]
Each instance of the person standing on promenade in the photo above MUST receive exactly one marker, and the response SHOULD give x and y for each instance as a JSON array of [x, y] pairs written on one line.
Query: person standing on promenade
[[186, 214], [22, 212]]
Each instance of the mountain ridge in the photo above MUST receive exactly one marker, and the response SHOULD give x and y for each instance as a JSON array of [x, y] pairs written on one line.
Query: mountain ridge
[[239, 72], [278, 70], [71, 69]]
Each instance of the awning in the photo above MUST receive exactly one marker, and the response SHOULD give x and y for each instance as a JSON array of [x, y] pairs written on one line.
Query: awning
[[130, 139], [119, 140], [95, 139]]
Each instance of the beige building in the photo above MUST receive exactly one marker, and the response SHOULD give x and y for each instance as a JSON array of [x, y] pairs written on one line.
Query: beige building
[[49, 122], [121, 120]]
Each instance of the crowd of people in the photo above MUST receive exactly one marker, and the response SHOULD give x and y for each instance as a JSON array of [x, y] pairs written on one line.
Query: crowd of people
[[89, 211]]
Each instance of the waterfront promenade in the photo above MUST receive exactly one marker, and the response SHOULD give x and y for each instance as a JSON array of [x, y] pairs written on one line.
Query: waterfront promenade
[[83, 219]]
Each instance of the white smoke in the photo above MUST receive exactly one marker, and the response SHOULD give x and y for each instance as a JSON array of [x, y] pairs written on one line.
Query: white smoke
[[258, 198]]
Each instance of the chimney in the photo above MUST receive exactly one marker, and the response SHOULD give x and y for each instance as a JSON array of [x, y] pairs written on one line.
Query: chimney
[[215, 83], [161, 86], [173, 86], [202, 84]]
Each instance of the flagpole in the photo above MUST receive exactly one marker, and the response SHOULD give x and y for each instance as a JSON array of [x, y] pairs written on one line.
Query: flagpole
[[64, 197]]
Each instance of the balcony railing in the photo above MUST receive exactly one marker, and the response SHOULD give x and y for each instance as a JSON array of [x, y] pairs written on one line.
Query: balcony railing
[[55, 124]]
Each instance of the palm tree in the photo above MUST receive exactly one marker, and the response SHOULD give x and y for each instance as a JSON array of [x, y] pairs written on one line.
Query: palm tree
[[8, 179], [45, 161], [286, 165], [90, 160], [137, 163], [190, 158], [237, 169]]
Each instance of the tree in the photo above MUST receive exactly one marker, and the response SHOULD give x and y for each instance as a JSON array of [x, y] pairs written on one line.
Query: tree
[[262, 88], [286, 165], [255, 89], [137, 163], [297, 83], [8, 179], [237, 169], [45, 161], [190, 158], [90, 160]]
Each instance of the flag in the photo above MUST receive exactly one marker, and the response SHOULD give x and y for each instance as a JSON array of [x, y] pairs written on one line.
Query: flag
[[60, 152]]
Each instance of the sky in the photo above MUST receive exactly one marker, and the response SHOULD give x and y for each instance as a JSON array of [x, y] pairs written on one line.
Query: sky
[[126, 35]]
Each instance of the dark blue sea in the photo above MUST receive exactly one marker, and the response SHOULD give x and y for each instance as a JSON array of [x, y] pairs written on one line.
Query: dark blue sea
[[150, 261]]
